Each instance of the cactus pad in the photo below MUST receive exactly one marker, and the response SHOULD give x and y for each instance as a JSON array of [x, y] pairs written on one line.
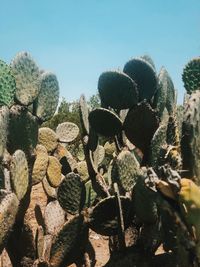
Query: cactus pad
[[84, 113], [19, 173], [48, 97], [105, 122], [103, 217], [117, 90], [191, 75], [82, 170], [54, 171], [26, 74], [91, 195], [144, 75], [49, 190], [128, 170], [40, 164], [48, 138], [4, 118], [23, 130], [67, 131], [140, 125], [7, 85], [98, 155], [71, 193], [9, 204], [54, 217], [68, 242], [149, 60]]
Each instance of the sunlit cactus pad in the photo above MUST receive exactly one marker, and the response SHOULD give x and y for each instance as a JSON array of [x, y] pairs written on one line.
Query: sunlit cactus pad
[[54, 217], [84, 113], [191, 75], [67, 131], [7, 85], [143, 74], [117, 90], [54, 171], [49, 190], [40, 164], [48, 138], [48, 97], [26, 74], [68, 242], [19, 173], [128, 170], [23, 130], [140, 124], [71, 193], [103, 218], [4, 119], [82, 170], [9, 204], [105, 122], [149, 60]]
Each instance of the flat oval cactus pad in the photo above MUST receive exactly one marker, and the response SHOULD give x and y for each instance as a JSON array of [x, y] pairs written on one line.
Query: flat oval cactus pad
[[105, 122]]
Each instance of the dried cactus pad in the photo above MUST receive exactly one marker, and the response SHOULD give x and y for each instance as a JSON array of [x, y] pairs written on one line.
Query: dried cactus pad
[[49, 190], [9, 204], [54, 217], [103, 218], [67, 242], [23, 130], [84, 113], [40, 164], [67, 131], [19, 173], [48, 138], [7, 85], [48, 97], [54, 171], [191, 75], [117, 90], [4, 119], [144, 75], [140, 125], [128, 170], [105, 122], [26, 74], [71, 193]]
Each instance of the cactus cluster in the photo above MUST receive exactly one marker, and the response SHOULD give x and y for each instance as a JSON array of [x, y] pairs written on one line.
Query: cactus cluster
[[134, 179]]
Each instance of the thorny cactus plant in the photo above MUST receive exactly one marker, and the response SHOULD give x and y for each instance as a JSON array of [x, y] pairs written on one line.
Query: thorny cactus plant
[[129, 188]]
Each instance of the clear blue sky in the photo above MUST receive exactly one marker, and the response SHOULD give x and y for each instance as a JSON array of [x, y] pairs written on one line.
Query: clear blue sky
[[79, 39]]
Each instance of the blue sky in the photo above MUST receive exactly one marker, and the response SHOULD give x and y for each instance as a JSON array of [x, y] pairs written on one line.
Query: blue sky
[[78, 40]]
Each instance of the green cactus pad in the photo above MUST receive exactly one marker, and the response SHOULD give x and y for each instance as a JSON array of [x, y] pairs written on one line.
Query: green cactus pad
[[149, 60], [71, 193], [67, 131], [4, 119], [7, 85], [105, 122], [9, 205], [54, 171], [117, 90], [171, 98], [103, 217], [23, 130], [98, 155], [19, 173], [140, 125], [80, 153], [191, 75], [144, 75], [158, 140], [48, 138], [82, 170], [40, 164], [48, 97], [91, 195], [26, 74], [84, 113], [191, 136], [93, 139], [128, 170], [160, 96], [49, 190], [71, 238], [54, 217], [110, 148]]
